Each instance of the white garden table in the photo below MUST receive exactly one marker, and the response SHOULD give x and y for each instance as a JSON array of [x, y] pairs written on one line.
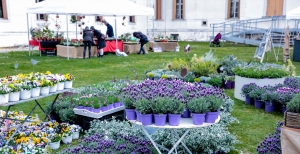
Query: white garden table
[[10, 104], [185, 123], [87, 113]]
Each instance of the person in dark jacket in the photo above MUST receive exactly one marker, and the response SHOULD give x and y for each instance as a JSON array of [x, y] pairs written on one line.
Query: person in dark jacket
[[101, 41], [87, 40], [110, 30], [143, 40]]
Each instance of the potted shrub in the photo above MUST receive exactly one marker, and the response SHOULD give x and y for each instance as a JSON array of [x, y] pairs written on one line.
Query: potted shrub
[[129, 108], [160, 110], [269, 97], [199, 107], [246, 89], [256, 95], [116, 102], [175, 109], [227, 82], [285, 95], [4, 93], [54, 141], [292, 115], [143, 105], [110, 101], [25, 90], [215, 104]]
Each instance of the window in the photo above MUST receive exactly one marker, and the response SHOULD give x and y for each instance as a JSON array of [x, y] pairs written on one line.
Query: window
[[204, 23], [132, 19], [178, 9], [233, 9], [158, 10], [40, 16], [98, 18], [3, 9]]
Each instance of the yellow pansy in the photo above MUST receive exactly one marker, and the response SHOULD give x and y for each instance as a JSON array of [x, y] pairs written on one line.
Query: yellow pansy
[[48, 72]]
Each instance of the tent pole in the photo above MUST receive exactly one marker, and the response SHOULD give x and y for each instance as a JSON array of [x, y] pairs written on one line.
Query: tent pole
[[117, 48], [76, 26], [28, 34], [67, 35]]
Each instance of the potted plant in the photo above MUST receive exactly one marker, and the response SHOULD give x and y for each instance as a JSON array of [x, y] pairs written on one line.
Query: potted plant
[[199, 107], [54, 141], [96, 105], [256, 94], [36, 89], [69, 80], [175, 109], [215, 104], [246, 89], [292, 115], [25, 90], [14, 94], [4, 93], [110, 101], [116, 101], [60, 81], [267, 98], [75, 130], [66, 133], [129, 108], [143, 105], [227, 82], [285, 95], [88, 104], [160, 110], [45, 86]]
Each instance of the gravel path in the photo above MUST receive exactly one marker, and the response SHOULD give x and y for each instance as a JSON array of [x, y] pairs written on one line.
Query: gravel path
[[17, 48]]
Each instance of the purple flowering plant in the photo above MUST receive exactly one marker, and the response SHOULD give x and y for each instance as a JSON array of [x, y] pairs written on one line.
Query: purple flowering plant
[[247, 88], [285, 94], [292, 82]]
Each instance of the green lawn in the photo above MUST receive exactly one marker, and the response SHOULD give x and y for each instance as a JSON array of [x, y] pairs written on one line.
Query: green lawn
[[254, 124]]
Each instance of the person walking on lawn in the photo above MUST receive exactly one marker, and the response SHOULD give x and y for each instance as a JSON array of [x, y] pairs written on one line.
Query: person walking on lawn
[[143, 40]]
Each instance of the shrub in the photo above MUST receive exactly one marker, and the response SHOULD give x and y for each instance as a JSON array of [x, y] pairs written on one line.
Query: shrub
[[215, 82], [294, 104], [247, 88]]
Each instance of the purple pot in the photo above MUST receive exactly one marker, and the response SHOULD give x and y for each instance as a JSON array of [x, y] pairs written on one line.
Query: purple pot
[[104, 108], [174, 119], [89, 109], [80, 107], [198, 119], [211, 117], [249, 100], [258, 104], [117, 104], [130, 114], [232, 84], [186, 113], [228, 85], [160, 119], [97, 110], [283, 109], [269, 107], [138, 116], [110, 106], [146, 119]]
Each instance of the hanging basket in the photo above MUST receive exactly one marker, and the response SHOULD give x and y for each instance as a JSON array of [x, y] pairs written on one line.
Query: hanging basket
[[292, 120]]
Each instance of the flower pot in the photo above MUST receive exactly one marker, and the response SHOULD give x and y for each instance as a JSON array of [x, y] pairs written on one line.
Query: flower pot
[[146, 119], [89, 109], [130, 114], [60, 86], [35, 92], [75, 135], [228, 85], [211, 117], [44, 91], [186, 113], [104, 108], [25, 94], [232, 84], [97, 110], [198, 119], [67, 139], [80, 107], [174, 119], [160, 119], [54, 145], [249, 100], [138, 116], [68, 84], [4, 98], [269, 107], [53, 89], [110, 106], [14, 96], [117, 104], [258, 104], [283, 109]]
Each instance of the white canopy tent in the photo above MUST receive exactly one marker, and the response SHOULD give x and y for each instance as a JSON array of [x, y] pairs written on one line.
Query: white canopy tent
[[89, 7], [293, 14]]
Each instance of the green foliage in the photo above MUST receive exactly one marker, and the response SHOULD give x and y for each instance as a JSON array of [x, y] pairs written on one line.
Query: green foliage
[[128, 102], [257, 92], [204, 68], [294, 104], [215, 103], [150, 75], [175, 106], [196, 80], [143, 106], [198, 105], [160, 105], [215, 82], [178, 63]]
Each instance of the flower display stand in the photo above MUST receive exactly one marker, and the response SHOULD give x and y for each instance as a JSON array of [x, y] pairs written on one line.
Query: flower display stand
[[241, 81], [186, 123]]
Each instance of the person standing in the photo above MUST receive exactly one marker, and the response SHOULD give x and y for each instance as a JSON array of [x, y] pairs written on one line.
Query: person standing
[[87, 40], [101, 41], [143, 40], [110, 30]]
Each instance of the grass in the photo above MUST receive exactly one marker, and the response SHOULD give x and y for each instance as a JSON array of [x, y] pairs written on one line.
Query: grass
[[254, 124]]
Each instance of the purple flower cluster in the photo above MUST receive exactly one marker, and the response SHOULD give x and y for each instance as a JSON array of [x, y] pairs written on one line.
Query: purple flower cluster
[[177, 89], [271, 143], [292, 82], [285, 94], [122, 144]]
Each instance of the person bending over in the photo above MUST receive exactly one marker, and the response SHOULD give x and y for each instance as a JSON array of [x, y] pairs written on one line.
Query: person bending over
[[143, 40], [87, 40], [101, 41]]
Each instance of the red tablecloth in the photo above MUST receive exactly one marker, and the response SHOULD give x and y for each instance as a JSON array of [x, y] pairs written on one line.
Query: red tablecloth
[[35, 43], [111, 45]]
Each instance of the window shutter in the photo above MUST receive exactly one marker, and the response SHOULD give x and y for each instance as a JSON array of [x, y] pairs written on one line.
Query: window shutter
[[228, 9], [158, 10], [239, 8], [133, 19], [174, 10], [183, 6], [4, 9]]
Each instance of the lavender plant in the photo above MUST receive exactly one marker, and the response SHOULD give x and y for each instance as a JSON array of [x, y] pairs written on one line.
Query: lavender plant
[[247, 88], [292, 82]]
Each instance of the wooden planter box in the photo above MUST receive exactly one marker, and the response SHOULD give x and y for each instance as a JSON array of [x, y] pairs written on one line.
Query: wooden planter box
[[292, 120]]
